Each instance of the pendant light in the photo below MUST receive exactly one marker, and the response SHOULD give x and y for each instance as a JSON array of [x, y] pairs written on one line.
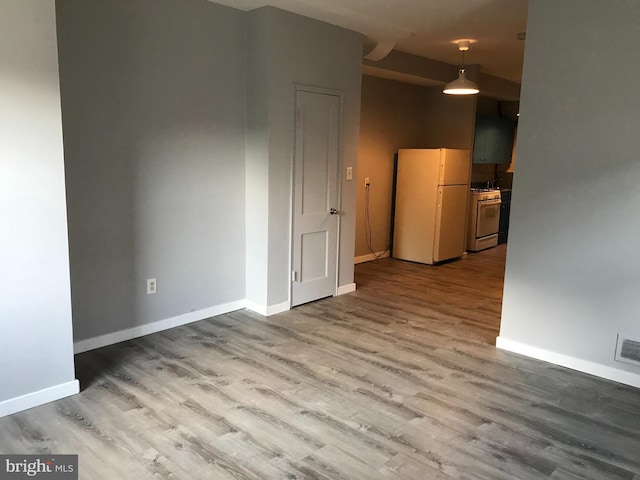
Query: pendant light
[[461, 85]]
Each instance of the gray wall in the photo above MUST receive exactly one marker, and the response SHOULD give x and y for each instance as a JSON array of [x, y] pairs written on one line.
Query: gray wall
[[572, 276], [257, 159], [393, 116], [35, 307], [399, 115], [153, 102], [291, 49], [451, 120]]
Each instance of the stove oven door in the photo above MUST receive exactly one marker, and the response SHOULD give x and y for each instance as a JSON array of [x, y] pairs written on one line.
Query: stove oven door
[[488, 218]]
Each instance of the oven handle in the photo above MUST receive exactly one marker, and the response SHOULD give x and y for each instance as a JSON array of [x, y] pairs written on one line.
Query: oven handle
[[490, 201]]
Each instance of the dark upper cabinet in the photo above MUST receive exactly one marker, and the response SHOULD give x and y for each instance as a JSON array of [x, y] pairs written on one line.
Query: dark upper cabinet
[[493, 140]]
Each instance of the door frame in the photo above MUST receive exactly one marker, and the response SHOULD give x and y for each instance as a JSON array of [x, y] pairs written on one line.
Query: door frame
[[300, 87]]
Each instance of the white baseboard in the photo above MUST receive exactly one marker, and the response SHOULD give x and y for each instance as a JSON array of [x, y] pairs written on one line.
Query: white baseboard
[[267, 310], [371, 256], [34, 399], [585, 366], [154, 327], [351, 287], [278, 308]]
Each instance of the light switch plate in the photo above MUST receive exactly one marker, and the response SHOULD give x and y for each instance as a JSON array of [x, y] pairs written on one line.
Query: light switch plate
[[349, 173]]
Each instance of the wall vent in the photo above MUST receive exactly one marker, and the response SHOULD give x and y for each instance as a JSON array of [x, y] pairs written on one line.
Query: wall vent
[[627, 350]]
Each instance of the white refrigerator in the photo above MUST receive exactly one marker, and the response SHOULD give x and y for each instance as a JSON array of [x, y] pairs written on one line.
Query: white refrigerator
[[432, 195]]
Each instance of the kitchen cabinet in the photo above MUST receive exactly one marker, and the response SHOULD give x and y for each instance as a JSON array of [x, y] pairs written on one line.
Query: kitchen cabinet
[[493, 140], [505, 211]]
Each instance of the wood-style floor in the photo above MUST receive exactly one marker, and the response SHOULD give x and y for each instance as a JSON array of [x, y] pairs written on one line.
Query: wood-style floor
[[399, 380]]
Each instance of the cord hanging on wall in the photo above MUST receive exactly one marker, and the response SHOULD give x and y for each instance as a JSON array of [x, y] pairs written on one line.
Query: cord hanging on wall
[[367, 224], [461, 85]]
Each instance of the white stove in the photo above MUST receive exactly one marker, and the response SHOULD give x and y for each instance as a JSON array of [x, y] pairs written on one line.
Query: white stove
[[484, 219]]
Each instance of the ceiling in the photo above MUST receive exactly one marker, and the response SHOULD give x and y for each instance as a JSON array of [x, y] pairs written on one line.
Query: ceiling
[[428, 28]]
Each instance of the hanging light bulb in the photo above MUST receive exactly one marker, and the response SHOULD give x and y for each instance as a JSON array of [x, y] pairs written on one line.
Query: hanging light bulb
[[461, 85]]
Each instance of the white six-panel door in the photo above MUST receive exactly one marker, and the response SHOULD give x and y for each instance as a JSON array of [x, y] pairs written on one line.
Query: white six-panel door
[[316, 176]]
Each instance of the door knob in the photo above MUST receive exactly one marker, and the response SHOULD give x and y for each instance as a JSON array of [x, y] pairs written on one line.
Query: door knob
[[333, 211]]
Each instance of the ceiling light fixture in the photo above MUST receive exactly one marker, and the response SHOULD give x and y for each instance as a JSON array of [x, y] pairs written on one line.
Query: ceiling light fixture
[[461, 85]]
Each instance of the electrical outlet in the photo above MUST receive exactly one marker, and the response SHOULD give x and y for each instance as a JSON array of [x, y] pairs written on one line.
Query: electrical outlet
[[152, 286], [367, 183]]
